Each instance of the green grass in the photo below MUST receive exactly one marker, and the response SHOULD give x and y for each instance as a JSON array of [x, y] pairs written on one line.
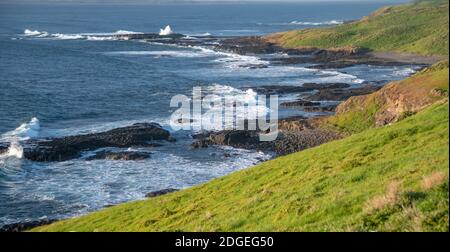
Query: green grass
[[390, 178], [420, 28], [383, 179], [361, 112]]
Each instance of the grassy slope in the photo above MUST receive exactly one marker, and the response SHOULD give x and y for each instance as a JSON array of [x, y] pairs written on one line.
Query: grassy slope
[[389, 178], [420, 28], [407, 96]]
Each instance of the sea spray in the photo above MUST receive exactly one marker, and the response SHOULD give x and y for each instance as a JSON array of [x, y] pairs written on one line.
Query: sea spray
[[15, 149], [331, 22], [24, 132], [166, 31]]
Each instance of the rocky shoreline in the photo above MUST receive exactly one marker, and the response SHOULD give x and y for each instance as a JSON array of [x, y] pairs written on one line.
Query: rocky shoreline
[[295, 133], [318, 57], [72, 147]]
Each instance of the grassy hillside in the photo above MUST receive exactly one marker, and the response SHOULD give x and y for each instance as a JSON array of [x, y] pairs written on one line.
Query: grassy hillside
[[393, 178], [420, 28], [393, 102]]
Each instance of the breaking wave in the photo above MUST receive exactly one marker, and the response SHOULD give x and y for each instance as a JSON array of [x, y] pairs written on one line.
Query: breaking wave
[[73, 36], [404, 72], [166, 31], [331, 22], [14, 150], [24, 132], [336, 76], [175, 54], [243, 103], [306, 23], [35, 33]]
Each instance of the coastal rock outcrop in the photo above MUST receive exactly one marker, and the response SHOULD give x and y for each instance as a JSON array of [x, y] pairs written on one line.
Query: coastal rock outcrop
[[306, 87], [325, 108], [294, 141], [160, 192], [295, 134], [125, 155], [299, 103], [3, 148], [400, 99], [70, 147], [23, 226], [341, 93], [248, 45]]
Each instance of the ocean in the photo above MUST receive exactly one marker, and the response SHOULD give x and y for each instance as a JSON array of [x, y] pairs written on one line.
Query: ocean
[[63, 73]]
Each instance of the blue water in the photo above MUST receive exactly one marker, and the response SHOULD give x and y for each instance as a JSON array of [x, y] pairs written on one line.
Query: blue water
[[77, 86]]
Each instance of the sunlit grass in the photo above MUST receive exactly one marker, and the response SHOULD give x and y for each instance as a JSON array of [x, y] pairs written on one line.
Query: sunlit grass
[[416, 28]]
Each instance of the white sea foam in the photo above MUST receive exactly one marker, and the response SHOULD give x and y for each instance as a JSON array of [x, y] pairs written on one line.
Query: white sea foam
[[305, 23], [100, 38], [195, 35], [29, 32], [175, 53], [166, 31], [233, 60], [404, 72], [336, 76], [67, 36], [228, 59], [88, 36], [331, 22], [244, 103], [125, 32], [24, 132], [14, 150]]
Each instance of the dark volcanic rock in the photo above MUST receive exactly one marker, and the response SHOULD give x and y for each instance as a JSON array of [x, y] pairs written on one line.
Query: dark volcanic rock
[[197, 144], [185, 120], [292, 60], [248, 45], [299, 103], [3, 148], [291, 142], [341, 94], [275, 89], [255, 66], [325, 55], [295, 134], [160, 192], [23, 226], [306, 87], [66, 148], [288, 141], [335, 64], [295, 123], [235, 138], [319, 86], [327, 108], [246, 139], [126, 155], [150, 36]]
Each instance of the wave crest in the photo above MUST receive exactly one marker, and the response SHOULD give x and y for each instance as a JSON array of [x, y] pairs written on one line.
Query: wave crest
[[331, 22], [24, 132], [166, 31]]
